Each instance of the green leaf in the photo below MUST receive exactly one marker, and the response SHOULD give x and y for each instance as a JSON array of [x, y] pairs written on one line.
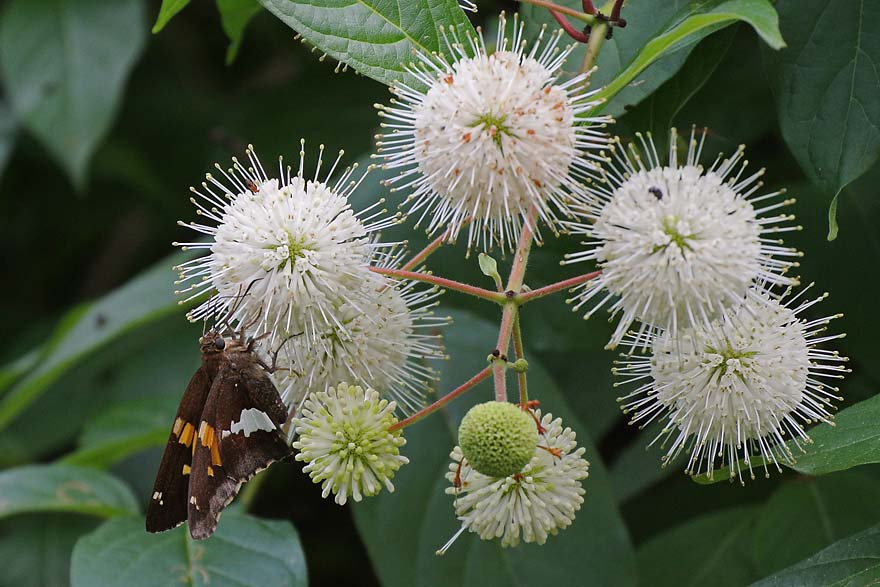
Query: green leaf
[[123, 430], [64, 65], [711, 550], [235, 16], [693, 23], [851, 562], [375, 37], [403, 530], [807, 515], [656, 113], [63, 488], [167, 11], [35, 549], [244, 552], [654, 46], [88, 328], [853, 440], [826, 86]]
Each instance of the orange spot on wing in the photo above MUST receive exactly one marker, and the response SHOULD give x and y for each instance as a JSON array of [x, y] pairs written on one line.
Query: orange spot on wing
[[186, 435]]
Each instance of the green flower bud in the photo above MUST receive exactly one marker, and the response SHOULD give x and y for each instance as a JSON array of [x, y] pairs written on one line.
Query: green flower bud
[[498, 439]]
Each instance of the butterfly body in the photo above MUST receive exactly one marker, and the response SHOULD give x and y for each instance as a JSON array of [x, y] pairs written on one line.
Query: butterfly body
[[227, 429]]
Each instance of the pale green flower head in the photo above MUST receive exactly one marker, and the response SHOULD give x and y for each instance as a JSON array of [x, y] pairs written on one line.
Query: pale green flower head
[[344, 437], [497, 438]]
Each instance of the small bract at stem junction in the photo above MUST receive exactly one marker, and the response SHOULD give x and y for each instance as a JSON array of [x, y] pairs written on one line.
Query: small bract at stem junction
[[482, 137], [744, 386], [679, 243]]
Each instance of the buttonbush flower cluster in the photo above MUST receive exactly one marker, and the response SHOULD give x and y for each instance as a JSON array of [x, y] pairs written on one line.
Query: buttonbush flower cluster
[[723, 349]]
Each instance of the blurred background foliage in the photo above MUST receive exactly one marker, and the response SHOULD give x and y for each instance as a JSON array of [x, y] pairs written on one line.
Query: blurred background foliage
[[102, 129]]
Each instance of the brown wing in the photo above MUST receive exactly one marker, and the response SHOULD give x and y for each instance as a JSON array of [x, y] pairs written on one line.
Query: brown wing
[[168, 502], [236, 439]]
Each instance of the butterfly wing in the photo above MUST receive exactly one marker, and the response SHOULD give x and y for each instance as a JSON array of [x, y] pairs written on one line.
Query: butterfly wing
[[168, 502], [237, 437]]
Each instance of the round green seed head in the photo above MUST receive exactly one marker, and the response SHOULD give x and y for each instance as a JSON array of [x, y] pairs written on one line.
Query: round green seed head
[[497, 438]]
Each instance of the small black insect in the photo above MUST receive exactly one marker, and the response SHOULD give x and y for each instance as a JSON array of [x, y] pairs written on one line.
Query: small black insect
[[656, 192], [227, 429]]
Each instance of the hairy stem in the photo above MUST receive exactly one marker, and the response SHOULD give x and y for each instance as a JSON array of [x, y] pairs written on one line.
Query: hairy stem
[[464, 288], [555, 287], [484, 374]]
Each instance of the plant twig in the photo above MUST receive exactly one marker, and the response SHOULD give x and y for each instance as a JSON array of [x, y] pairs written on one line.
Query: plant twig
[[555, 287], [484, 374], [458, 286], [519, 353]]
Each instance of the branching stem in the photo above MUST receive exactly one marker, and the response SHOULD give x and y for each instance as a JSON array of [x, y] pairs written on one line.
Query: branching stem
[[484, 374]]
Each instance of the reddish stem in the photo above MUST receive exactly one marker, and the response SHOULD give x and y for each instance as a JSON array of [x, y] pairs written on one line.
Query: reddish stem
[[572, 32], [484, 374], [442, 282], [560, 9], [588, 7], [433, 246], [555, 287]]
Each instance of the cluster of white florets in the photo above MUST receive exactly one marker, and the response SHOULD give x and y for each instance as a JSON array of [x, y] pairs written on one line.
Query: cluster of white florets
[[290, 261], [492, 141]]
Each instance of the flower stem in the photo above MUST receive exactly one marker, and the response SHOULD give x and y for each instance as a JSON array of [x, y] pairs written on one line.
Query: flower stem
[[600, 31], [519, 353], [554, 287], [514, 285], [433, 246], [484, 374], [464, 288], [587, 18]]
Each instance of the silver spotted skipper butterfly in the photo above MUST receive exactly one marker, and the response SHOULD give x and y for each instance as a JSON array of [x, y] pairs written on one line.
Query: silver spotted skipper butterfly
[[227, 429]]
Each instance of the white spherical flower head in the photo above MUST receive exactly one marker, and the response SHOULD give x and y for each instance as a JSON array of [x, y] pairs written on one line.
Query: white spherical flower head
[[284, 251], [382, 343], [530, 505], [678, 244], [740, 387], [492, 137], [345, 440]]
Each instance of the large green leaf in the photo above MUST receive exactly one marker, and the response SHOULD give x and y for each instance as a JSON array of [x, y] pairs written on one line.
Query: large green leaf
[[852, 440], [64, 66], [403, 530], [656, 113], [63, 488], [660, 36], [851, 562], [826, 85], [244, 552], [87, 328], [375, 37], [711, 550], [805, 516], [235, 16], [123, 430], [35, 549]]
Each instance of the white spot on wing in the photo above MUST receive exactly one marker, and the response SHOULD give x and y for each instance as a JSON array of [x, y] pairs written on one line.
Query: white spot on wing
[[249, 421]]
